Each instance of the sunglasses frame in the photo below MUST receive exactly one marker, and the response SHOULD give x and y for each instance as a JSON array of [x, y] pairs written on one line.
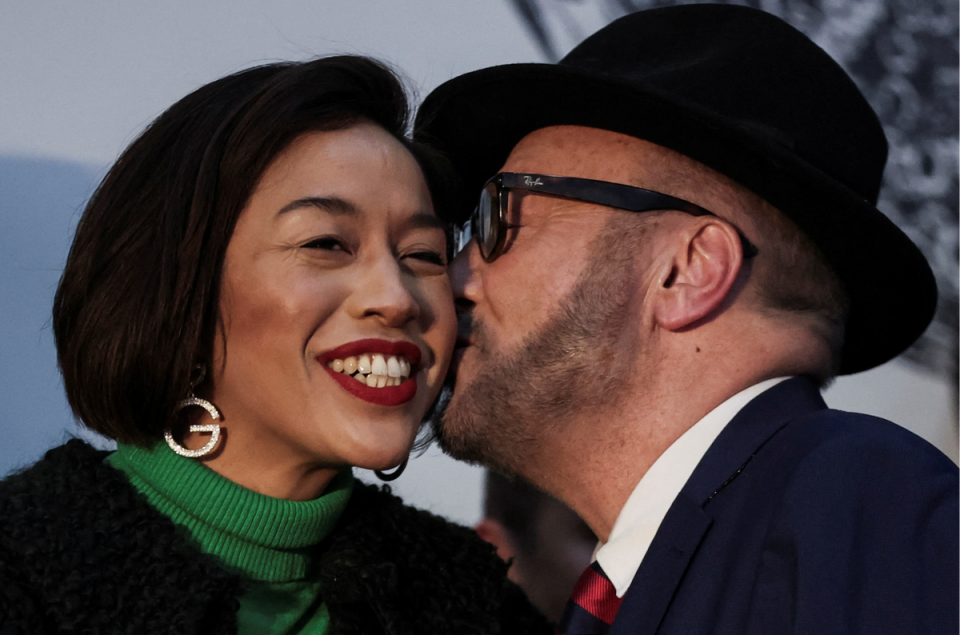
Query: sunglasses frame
[[616, 195]]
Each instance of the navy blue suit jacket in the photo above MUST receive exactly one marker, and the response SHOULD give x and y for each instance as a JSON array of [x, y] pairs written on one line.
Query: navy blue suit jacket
[[801, 519]]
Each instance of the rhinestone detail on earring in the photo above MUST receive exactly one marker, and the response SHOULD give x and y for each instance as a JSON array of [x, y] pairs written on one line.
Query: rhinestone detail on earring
[[212, 428]]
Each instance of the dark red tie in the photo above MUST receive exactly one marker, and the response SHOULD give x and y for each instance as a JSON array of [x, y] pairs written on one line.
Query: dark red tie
[[592, 605]]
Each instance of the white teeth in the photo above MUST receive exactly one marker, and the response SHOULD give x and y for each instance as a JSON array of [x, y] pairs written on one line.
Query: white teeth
[[363, 364], [374, 369], [393, 367], [350, 365]]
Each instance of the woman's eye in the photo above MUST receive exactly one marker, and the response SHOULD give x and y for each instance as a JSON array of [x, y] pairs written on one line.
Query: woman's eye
[[327, 243], [432, 257]]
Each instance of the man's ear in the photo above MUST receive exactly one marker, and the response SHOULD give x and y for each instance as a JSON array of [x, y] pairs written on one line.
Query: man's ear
[[706, 262], [498, 536]]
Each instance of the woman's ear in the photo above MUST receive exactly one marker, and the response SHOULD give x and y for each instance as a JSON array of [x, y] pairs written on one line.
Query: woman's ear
[[706, 262]]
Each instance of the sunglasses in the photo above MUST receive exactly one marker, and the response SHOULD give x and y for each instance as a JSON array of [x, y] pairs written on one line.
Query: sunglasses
[[488, 224]]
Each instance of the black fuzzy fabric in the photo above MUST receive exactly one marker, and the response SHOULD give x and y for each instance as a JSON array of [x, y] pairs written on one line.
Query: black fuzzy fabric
[[82, 552]]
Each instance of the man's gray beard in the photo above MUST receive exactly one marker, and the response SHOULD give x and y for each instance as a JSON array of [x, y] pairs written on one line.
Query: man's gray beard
[[576, 364]]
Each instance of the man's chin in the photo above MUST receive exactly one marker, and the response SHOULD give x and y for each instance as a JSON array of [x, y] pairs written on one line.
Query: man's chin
[[444, 427], [455, 430]]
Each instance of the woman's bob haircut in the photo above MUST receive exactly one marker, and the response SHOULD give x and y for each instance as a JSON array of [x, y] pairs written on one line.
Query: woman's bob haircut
[[137, 306]]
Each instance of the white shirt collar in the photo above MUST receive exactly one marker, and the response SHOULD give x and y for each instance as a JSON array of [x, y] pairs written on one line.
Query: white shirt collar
[[640, 518]]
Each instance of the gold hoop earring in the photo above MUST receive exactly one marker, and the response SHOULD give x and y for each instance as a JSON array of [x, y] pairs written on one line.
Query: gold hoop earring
[[212, 428]]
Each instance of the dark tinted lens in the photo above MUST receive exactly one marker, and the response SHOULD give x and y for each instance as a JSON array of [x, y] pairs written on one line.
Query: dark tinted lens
[[485, 229]]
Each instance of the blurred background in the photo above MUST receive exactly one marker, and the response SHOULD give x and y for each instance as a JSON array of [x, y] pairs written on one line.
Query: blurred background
[[81, 80]]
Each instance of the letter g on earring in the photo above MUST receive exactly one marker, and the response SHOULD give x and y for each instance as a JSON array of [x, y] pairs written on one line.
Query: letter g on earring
[[212, 428]]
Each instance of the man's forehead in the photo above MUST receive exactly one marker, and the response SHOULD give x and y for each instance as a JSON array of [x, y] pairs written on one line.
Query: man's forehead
[[586, 152], [604, 155]]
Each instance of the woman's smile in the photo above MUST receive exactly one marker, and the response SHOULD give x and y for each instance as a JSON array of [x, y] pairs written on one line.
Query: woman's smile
[[378, 371]]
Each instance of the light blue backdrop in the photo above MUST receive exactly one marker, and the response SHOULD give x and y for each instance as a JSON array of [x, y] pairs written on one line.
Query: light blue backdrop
[[40, 201]]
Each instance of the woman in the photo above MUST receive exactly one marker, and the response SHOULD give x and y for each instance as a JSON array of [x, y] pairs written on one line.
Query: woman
[[255, 301]]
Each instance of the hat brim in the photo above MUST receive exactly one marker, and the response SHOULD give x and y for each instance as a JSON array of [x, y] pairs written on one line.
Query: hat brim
[[477, 118]]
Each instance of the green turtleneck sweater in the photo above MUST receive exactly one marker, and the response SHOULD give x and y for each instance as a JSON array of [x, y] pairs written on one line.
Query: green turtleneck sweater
[[268, 541]]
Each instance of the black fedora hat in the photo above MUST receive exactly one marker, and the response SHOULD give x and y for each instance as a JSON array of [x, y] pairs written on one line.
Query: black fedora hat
[[742, 92]]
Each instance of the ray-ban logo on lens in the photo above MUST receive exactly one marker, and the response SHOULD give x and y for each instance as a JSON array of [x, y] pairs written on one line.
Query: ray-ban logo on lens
[[527, 180]]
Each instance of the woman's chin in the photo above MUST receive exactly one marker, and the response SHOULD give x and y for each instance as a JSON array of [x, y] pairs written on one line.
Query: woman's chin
[[385, 458]]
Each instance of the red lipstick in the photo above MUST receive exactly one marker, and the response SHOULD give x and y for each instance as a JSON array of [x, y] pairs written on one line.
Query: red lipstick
[[388, 395], [359, 347]]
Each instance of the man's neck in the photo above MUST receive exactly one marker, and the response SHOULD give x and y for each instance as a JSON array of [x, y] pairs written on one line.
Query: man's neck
[[594, 463], [598, 461]]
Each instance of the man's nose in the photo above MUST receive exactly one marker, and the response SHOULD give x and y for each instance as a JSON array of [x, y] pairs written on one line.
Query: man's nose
[[463, 277]]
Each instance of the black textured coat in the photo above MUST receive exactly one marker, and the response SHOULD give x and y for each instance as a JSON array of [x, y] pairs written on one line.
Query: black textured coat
[[82, 552]]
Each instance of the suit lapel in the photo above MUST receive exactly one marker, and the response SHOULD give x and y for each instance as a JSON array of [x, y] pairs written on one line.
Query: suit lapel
[[653, 586], [748, 431], [687, 523]]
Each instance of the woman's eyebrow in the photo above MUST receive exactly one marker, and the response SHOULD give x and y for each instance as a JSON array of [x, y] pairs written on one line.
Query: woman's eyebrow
[[423, 220], [332, 205], [341, 207]]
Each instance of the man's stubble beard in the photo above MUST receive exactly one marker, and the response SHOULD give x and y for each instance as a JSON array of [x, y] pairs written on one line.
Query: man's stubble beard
[[575, 365]]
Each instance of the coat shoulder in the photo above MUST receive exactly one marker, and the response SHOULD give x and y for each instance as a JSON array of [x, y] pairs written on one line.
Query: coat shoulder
[[80, 549], [862, 521], [877, 450]]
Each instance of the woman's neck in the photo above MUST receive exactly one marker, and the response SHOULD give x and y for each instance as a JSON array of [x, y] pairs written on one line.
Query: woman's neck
[[258, 465]]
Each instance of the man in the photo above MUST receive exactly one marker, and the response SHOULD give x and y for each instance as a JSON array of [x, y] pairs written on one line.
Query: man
[[681, 248], [546, 544]]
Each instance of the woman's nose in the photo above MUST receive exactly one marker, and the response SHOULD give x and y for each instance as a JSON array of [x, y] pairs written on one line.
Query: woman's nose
[[385, 293]]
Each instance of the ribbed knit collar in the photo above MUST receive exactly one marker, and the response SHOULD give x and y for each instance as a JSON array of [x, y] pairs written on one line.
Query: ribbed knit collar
[[261, 537]]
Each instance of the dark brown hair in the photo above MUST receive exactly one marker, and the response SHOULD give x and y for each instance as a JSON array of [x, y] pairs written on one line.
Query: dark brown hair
[[137, 305]]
